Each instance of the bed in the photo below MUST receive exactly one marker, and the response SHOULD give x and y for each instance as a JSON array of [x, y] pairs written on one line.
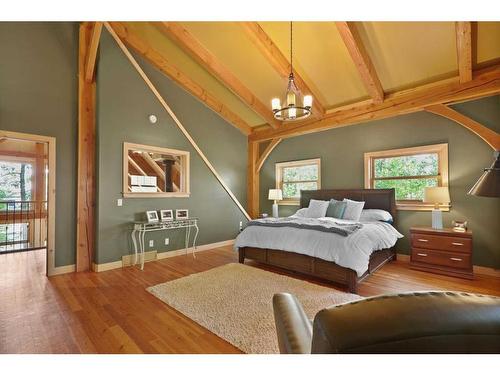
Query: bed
[[325, 269]]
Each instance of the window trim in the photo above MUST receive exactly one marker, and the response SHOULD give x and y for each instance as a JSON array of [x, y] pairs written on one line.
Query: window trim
[[411, 205], [296, 163]]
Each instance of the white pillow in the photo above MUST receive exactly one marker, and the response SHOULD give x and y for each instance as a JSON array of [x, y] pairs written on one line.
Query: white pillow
[[301, 212], [353, 210], [373, 214], [317, 209]]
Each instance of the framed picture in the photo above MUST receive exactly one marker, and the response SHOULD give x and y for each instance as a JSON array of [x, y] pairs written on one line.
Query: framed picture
[[181, 214], [152, 216], [166, 215]]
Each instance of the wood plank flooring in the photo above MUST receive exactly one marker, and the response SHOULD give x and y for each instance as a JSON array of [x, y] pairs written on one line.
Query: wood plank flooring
[[111, 312]]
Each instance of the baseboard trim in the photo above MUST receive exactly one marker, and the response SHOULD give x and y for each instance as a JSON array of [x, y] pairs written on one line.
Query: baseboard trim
[[209, 246], [62, 270], [106, 266], [480, 270], [151, 256]]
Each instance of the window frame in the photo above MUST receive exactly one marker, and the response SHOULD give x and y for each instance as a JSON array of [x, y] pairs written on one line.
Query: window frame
[[440, 149], [296, 163]]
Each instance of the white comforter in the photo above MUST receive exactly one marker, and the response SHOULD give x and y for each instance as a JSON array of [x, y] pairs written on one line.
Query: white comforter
[[352, 251]]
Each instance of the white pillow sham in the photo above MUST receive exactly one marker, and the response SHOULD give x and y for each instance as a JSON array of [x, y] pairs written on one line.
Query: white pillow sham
[[373, 214], [317, 209], [353, 210]]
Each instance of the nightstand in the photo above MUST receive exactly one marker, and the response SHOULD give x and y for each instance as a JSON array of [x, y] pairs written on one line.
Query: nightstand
[[442, 251]]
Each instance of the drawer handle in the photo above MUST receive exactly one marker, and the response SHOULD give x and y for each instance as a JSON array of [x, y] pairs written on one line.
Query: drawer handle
[[422, 240], [457, 243], [422, 254], [456, 259]]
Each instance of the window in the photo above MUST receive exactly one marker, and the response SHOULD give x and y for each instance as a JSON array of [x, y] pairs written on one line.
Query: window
[[408, 171], [294, 176]]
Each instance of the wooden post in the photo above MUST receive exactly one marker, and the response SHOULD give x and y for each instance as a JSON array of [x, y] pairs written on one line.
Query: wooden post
[[253, 180], [85, 227]]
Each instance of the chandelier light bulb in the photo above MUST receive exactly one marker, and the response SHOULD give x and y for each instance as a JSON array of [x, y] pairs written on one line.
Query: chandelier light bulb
[[292, 112], [276, 104], [308, 100]]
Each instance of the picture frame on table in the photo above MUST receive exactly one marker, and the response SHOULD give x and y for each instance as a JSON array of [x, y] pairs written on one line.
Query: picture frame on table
[[166, 215], [181, 214], [152, 216]]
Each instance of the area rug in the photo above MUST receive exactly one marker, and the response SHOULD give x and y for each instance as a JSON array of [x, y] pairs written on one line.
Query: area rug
[[234, 301]]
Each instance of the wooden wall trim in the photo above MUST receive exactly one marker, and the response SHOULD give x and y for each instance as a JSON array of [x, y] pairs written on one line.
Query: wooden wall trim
[[485, 82], [280, 63], [181, 36], [361, 59], [85, 220], [166, 67], [464, 50], [174, 117], [491, 137]]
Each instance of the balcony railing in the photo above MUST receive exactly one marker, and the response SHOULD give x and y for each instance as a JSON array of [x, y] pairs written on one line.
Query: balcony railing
[[23, 225]]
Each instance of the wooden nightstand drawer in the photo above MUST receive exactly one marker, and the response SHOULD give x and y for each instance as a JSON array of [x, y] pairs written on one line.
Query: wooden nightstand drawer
[[441, 258], [447, 243]]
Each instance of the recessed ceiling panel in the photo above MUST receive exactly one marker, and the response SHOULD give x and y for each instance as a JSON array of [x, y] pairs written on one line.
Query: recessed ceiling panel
[[488, 41], [409, 53], [321, 58], [228, 42]]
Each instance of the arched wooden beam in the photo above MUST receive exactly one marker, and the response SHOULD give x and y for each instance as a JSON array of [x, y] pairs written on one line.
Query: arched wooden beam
[[270, 147], [489, 136]]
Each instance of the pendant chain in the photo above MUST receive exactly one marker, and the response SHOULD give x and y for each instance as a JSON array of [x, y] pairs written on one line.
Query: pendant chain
[[291, 47]]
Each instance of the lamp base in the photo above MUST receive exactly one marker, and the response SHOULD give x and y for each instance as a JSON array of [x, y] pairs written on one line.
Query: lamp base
[[275, 210], [437, 219]]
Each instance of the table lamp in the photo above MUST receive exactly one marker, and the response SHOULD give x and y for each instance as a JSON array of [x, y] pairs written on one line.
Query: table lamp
[[437, 195], [275, 195]]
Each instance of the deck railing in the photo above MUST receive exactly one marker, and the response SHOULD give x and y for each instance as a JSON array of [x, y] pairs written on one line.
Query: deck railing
[[23, 225]]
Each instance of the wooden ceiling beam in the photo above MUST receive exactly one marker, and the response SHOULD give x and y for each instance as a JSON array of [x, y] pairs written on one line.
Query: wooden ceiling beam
[[485, 82], [279, 62], [361, 59], [143, 48], [486, 134], [90, 60], [188, 43], [464, 50]]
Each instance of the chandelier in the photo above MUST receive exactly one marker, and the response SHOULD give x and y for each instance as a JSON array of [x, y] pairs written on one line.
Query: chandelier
[[291, 110]]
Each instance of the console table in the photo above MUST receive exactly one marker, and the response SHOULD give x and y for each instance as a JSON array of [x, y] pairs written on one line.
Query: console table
[[140, 228]]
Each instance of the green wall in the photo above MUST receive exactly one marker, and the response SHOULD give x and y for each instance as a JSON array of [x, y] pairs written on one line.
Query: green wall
[[341, 151], [38, 95], [124, 103]]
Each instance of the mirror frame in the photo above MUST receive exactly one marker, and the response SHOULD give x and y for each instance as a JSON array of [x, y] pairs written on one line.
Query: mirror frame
[[185, 169]]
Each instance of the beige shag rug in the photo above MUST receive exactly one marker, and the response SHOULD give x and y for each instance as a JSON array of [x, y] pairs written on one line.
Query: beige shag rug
[[234, 301]]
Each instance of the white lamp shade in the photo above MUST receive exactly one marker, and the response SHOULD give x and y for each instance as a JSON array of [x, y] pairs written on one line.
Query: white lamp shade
[[439, 194], [275, 103], [275, 195], [308, 101]]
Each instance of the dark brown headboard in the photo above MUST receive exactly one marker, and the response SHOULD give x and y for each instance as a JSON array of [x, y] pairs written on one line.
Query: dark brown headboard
[[384, 199]]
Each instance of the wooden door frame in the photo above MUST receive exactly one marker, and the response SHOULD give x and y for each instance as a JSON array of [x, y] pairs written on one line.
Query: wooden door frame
[[51, 194]]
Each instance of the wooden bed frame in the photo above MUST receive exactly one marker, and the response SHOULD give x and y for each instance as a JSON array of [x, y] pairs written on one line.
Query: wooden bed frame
[[304, 264]]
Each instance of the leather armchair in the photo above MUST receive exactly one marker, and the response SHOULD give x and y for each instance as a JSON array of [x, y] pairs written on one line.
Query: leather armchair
[[418, 322]]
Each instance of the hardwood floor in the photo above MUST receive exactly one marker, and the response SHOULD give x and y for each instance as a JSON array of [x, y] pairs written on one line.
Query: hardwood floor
[[111, 312]]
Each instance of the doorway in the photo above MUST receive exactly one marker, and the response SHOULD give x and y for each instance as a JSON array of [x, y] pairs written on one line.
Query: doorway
[[27, 196]]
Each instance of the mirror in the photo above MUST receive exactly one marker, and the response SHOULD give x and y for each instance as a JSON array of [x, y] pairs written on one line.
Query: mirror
[[150, 171]]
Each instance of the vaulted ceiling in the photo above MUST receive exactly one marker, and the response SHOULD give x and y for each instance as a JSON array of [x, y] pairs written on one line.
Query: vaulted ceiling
[[242, 66]]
